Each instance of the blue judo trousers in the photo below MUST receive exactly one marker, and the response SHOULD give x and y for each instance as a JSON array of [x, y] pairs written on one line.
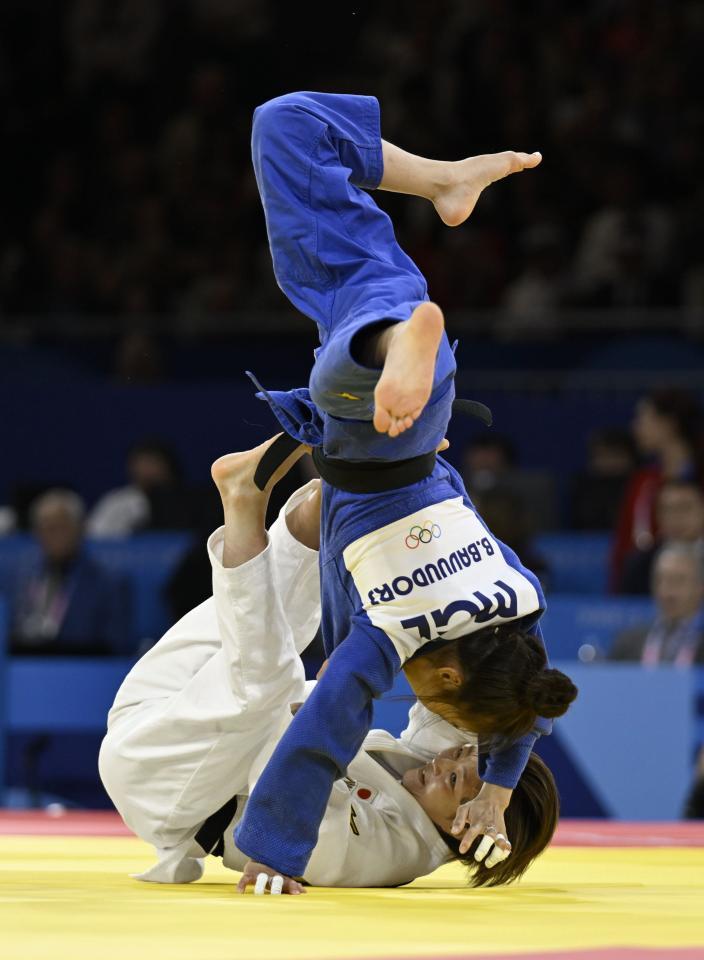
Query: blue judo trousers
[[336, 258]]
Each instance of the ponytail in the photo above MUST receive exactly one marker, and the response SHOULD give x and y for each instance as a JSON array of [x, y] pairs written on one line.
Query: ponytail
[[549, 692]]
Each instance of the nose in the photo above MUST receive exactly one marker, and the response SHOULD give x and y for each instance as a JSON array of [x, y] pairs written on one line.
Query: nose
[[439, 766]]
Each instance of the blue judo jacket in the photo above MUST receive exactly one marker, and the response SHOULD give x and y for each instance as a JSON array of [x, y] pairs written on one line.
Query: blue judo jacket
[[384, 593]]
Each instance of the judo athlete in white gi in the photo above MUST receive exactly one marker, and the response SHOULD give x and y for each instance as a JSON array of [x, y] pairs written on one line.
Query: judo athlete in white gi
[[196, 720]]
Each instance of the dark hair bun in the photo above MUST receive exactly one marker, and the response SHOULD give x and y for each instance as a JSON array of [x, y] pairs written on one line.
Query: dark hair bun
[[550, 692]]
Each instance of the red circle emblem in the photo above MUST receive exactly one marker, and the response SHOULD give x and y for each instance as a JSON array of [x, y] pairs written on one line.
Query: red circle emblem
[[363, 793]]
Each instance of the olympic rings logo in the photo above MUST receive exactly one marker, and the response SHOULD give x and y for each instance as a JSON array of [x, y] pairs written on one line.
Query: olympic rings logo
[[424, 534]]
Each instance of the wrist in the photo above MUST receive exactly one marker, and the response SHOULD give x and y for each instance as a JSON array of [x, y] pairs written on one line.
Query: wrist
[[498, 795]]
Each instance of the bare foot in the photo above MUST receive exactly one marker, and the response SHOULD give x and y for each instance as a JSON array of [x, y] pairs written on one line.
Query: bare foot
[[406, 381], [234, 473], [455, 200]]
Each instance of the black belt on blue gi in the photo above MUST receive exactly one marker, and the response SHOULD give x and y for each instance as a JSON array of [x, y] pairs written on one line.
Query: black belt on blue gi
[[363, 476], [373, 476], [379, 476], [210, 836]]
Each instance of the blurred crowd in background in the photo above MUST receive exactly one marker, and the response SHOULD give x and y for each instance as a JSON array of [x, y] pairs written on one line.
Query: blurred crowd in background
[[645, 487], [129, 208], [128, 187], [128, 193]]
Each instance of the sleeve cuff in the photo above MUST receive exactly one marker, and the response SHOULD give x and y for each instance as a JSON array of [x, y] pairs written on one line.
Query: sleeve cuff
[[504, 767], [375, 162], [244, 571]]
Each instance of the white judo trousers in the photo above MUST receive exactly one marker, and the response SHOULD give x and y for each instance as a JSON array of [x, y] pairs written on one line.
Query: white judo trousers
[[197, 718]]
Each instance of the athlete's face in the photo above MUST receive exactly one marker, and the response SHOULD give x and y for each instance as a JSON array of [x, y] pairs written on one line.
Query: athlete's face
[[443, 784]]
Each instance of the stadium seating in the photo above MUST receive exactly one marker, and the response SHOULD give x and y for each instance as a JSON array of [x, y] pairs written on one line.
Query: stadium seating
[[147, 559]]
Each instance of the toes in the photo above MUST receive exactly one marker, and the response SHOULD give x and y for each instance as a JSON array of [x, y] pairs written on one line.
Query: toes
[[382, 420], [529, 159], [399, 425], [522, 161]]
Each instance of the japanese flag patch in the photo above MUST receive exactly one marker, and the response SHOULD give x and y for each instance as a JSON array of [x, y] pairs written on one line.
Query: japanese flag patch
[[363, 792]]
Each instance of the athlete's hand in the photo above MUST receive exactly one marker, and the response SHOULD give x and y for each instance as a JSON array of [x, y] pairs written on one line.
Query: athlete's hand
[[484, 816], [263, 878]]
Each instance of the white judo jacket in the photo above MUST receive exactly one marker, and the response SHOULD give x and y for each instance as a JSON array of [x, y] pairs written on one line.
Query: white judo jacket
[[374, 833], [197, 718]]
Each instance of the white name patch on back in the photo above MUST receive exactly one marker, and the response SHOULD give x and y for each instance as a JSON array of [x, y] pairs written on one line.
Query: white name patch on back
[[435, 574]]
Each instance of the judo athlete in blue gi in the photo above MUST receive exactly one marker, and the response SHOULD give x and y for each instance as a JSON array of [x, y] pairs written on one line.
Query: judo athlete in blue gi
[[408, 569]]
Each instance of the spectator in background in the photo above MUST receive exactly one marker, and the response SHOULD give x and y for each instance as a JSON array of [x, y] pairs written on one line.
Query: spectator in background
[[489, 463], [597, 493], [66, 602], [680, 519], [676, 635], [667, 427], [154, 472]]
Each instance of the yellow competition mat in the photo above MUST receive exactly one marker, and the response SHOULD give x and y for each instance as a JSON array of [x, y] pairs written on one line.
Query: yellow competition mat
[[71, 897]]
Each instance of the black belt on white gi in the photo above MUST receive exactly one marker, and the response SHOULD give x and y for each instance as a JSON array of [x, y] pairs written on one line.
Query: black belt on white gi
[[210, 836]]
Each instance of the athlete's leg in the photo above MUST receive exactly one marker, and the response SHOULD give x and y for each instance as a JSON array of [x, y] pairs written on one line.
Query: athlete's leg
[[294, 537], [453, 187], [336, 257], [198, 708], [244, 505], [407, 350]]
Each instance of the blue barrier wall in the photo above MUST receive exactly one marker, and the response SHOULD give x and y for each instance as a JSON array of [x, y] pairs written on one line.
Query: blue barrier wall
[[577, 562], [55, 710], [573, 621], [63, 694], [625, 749], [631, 733]]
